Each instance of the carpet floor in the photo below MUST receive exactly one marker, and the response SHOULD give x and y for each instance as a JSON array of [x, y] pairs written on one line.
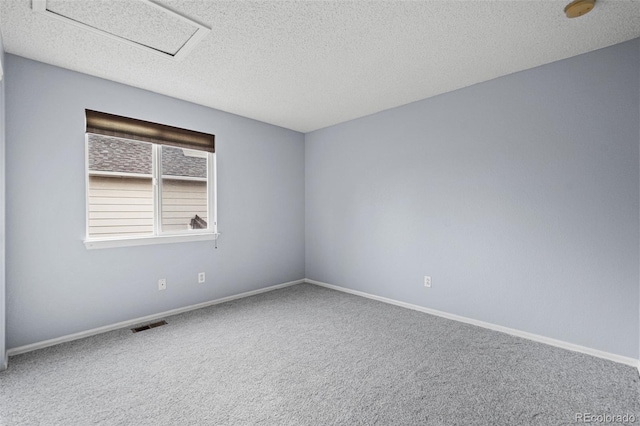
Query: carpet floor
[[306, 355]]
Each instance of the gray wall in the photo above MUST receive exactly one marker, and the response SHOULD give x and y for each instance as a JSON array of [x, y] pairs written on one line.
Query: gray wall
[[56, 287], [2, 214], [519, 196]]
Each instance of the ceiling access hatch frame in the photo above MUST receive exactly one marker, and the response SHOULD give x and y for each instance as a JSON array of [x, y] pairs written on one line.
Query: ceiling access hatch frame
[[200, 30]]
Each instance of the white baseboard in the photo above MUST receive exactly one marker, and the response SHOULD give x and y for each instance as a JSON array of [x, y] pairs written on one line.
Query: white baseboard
[[126, 324], [512, 331]]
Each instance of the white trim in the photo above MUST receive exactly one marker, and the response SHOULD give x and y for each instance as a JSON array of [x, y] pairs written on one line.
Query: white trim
[[201, 32], [5, 362], [119, 174], [86, 174], [187, 178], [150, 240], [512, 331], [126, 324], [156, 165], [212, 193], [196, 153]]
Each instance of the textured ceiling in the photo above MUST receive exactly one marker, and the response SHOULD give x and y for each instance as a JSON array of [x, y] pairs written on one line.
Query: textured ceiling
[[139, 21], [305, 65]]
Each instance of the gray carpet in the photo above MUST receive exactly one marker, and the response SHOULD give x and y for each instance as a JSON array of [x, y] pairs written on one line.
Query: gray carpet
[[305, 355]]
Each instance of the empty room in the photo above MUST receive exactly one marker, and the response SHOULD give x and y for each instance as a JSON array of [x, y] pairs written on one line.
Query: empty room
[[319, 212]]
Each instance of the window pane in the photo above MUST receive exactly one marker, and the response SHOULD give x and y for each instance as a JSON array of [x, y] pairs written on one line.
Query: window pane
[[184, 189], [107, 154], [120, 206], [120, 187]]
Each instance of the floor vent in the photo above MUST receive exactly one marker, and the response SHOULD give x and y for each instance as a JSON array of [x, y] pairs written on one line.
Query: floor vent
[[148, 326]]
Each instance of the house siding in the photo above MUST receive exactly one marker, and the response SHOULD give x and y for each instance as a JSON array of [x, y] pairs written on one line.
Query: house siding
[[124, 206], [120, 206], [181, 202]]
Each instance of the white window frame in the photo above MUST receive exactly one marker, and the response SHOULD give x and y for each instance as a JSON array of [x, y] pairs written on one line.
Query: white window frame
[[159, 236]]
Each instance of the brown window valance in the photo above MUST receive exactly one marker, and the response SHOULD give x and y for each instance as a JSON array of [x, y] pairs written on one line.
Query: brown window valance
[[130, 128]]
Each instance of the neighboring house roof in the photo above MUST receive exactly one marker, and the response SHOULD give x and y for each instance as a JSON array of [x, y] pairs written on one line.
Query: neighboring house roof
[[107, 154], [176, 163]]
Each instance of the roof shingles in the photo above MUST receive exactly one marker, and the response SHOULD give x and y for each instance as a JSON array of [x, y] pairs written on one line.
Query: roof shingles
[[108, 154]]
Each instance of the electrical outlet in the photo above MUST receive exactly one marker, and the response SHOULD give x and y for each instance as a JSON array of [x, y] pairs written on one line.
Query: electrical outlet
[[201, 277], [427, 281], [162, 284]]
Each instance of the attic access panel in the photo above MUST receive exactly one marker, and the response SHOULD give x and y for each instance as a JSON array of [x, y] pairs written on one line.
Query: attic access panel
[[140, 23]]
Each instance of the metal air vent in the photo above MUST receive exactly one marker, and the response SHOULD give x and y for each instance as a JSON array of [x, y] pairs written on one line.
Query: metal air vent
[[148, 326]]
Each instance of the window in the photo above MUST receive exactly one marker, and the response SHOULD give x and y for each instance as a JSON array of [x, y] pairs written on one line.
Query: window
[[147, 183]]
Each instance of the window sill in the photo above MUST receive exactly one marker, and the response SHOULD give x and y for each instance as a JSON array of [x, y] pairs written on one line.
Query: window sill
[[144, 241]]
